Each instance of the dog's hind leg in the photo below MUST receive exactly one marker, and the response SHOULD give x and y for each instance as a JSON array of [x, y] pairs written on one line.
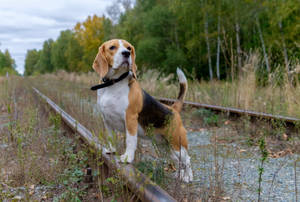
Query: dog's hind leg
[[183, 159]]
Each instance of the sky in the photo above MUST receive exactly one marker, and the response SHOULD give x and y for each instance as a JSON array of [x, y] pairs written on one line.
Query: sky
[[26, 24]]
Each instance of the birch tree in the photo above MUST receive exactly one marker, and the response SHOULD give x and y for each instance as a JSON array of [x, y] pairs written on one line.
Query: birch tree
[[218, 42], [208, 46], [263, 44], [284, 50], [238, 43]]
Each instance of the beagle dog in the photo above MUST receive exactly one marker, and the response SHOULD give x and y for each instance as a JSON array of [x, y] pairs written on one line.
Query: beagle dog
[[127, 108]]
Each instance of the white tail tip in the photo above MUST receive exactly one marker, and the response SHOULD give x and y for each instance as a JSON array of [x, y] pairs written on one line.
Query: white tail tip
[[181, 76]]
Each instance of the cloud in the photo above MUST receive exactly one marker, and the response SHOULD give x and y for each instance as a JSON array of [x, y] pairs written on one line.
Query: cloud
[[27, 24]]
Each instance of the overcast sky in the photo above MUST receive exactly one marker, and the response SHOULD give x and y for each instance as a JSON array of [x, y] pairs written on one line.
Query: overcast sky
[[26, 24]]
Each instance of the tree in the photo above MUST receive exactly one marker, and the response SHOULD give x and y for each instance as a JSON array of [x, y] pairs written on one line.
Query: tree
[[44, 64], [208, 46], [192, 34], [7, 63], [114, 12], [284, 28], [59, 50], [31, 60], [90, 35], [74, 54]]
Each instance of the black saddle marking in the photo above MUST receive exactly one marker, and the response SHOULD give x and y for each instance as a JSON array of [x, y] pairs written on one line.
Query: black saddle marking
[[153, 113]]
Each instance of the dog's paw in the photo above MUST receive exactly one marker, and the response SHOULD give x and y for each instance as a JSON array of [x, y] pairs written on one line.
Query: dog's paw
[[126, 158], [110, 150], [190, 172], [186, 175]]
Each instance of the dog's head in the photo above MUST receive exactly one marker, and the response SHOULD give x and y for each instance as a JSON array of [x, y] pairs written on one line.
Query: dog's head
[[115, 56]]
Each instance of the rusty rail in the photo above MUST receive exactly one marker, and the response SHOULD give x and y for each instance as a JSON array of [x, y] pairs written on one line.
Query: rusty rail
[[231, 110], [138, 183]]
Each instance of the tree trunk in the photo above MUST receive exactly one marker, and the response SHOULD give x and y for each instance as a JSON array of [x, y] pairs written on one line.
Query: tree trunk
[[238, 44], [208, 47], [176, 36], [263, 44], [232, 60], [284, 51], [218, 49]]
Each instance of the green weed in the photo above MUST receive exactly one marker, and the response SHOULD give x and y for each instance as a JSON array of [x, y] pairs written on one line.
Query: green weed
[[209, 118]]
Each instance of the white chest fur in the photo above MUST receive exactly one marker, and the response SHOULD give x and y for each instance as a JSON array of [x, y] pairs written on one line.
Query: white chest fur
[[113, 102]]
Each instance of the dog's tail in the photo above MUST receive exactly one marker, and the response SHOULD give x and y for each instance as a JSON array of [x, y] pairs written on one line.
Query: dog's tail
[[182, 92]]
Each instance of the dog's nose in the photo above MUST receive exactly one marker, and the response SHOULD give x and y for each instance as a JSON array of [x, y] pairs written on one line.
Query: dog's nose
[[126, 54]]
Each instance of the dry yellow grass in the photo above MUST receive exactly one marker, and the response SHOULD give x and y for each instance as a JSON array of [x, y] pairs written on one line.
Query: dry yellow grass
[[71, 92], [37, 160], [242, 93]]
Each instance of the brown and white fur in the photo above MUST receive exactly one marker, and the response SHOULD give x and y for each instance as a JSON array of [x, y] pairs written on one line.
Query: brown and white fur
[[126, 108]]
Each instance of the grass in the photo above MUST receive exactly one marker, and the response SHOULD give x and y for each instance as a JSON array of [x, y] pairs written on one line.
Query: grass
[[40, 160], [242, 93], [71, 92], [35, 152]]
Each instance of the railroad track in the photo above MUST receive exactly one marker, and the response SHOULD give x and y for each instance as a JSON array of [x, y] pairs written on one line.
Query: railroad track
[[138, 183], [235, 111]]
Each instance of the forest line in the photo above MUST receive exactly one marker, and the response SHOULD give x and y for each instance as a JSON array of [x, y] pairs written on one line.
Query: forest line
[[208, 39]]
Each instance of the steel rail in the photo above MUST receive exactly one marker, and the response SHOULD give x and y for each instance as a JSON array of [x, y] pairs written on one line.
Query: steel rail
[[290, 120], [138, 183]]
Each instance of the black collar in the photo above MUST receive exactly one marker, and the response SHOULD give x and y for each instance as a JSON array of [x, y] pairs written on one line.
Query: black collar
[[109, 82]]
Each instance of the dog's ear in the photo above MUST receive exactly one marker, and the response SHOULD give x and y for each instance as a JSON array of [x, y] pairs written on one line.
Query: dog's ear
[[100, 64], [134, 67]]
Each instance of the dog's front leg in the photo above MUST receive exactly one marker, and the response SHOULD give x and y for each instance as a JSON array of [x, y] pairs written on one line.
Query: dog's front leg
[[109, 149], [131, 124], [131, 142]]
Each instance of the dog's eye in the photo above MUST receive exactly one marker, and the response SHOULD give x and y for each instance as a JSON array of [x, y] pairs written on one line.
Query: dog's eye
[[129, 48], [112, 48]]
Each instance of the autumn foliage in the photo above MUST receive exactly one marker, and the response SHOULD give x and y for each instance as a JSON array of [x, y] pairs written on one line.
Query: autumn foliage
[[74, 50]]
